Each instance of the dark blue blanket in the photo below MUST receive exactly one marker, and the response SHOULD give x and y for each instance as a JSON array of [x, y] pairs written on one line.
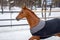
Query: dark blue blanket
[[51, 27]]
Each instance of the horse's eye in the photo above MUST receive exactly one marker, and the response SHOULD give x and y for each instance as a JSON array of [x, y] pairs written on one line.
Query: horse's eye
[[22, 12]]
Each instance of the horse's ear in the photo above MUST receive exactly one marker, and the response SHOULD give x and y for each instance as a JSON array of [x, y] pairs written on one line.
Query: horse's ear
[[24, 7]]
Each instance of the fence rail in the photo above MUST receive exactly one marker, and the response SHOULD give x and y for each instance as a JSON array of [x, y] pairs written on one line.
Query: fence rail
[[32, 10], [9, 19], [13, 25], [9, 11], [25, 19]]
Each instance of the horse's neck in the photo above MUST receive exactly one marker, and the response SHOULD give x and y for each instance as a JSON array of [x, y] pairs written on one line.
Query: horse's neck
[[32, 20]]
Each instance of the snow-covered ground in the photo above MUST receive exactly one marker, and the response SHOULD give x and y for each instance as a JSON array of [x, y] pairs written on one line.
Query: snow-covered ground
[[20, 32], [21, 35]]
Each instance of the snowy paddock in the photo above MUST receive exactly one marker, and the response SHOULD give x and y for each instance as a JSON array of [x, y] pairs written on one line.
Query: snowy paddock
[[20, 32], [21, 35]]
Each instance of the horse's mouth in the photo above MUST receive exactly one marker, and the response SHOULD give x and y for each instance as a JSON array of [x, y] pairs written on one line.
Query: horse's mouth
[[17, 19]]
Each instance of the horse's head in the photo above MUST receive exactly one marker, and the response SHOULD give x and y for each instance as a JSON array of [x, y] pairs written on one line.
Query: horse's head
[[25, 12], [21, 14]]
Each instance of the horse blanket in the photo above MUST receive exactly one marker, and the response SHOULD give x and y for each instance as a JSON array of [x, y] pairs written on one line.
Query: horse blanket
[[50, 28]]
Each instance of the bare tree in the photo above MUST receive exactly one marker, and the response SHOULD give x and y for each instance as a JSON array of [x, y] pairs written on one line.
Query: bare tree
[[19, 3], [57, 3]]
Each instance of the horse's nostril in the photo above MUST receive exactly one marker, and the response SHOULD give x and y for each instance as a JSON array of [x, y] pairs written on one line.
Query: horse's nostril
[[17, 19]]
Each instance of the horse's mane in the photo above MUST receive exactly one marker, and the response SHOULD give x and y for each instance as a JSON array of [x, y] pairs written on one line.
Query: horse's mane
[[31, 11]]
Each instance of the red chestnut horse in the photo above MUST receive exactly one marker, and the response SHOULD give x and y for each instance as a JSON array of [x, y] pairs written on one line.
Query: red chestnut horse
[[36, 24]]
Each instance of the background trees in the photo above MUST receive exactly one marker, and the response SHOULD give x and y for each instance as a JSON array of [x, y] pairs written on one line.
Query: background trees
[[29, 3], [57, 3], [20, 2]]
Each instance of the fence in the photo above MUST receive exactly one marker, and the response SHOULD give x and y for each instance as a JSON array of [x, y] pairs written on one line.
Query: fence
[[13, 19]]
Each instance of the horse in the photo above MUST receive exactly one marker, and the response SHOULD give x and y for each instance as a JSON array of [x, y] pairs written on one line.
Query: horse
[[39, 29]]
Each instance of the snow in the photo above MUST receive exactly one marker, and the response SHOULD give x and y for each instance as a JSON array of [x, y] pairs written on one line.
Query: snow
[[21, 35], [15, 35], [20, 32]]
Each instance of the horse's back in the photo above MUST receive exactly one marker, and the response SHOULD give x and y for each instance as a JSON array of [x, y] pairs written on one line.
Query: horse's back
[[57, 20], [54, 24], [52, 28], [58, 28]]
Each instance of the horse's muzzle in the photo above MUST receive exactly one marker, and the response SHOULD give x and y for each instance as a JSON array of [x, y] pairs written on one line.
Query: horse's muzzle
[[17, 19]]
